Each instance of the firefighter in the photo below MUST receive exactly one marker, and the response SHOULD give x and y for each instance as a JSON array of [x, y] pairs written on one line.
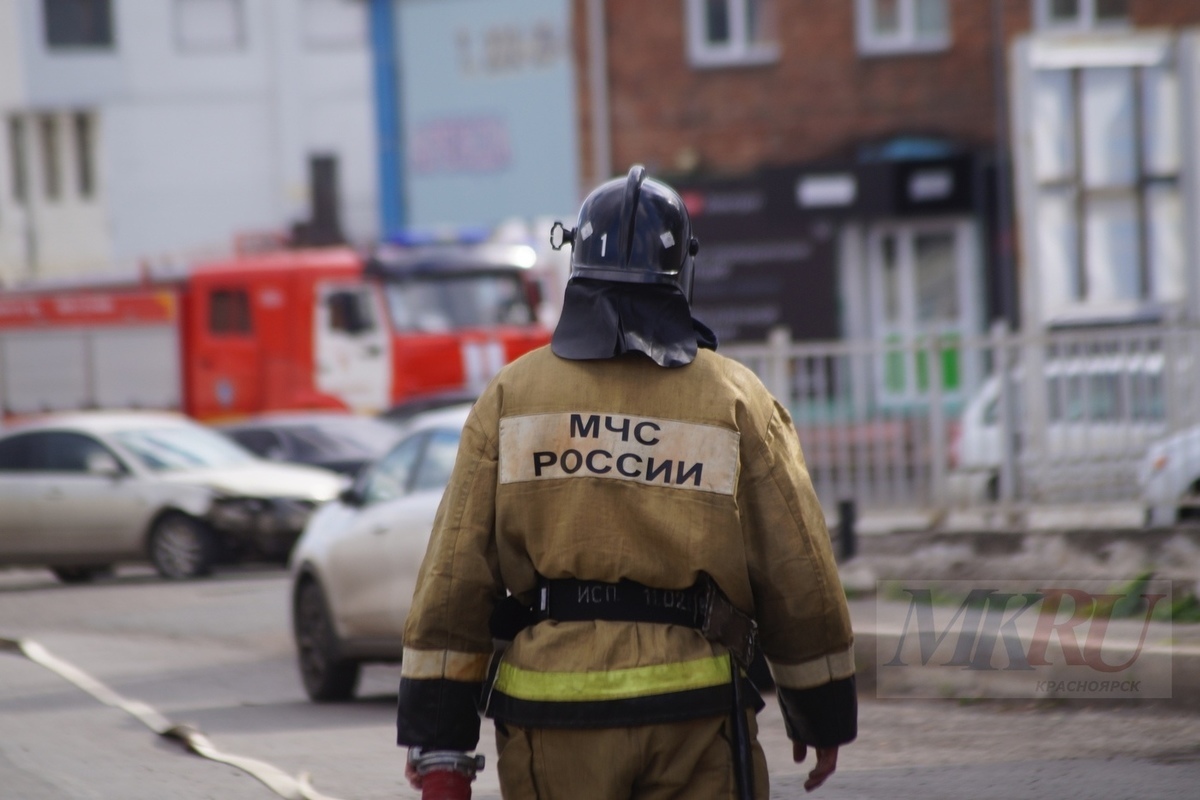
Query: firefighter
[[632, 510]]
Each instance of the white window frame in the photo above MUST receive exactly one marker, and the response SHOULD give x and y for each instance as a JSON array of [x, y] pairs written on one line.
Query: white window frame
[[906, 41], [1086, 21], [1052, 291], [739, 52]]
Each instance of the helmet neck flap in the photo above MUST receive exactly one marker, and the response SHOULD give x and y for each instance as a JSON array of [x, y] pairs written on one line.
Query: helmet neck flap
[[604, 319]]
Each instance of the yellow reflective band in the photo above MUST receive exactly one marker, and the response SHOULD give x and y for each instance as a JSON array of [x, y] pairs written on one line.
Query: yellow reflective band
[[617, 684]]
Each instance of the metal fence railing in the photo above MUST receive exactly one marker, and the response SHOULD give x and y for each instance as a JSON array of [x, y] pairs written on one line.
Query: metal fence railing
[[1005, 420]]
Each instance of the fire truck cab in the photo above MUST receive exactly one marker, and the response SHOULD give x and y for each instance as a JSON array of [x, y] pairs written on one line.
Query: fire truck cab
[[273, 331], [457, 312]]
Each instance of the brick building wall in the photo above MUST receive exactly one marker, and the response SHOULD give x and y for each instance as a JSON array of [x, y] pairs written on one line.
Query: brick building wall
[[583, 94], [819, 98], [1172, 13], [819, 95]]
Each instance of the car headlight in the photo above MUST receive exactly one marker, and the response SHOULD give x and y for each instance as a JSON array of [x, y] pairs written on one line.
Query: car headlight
[[261, 515], [236, 513]]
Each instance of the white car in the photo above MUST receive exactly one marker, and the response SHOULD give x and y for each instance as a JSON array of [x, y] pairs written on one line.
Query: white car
[[80, 492], [353, 568], [1101, 414], [1169, 479]]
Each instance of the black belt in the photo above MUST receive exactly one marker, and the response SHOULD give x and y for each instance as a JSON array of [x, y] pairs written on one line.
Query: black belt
[[702, 606], [571, 600]]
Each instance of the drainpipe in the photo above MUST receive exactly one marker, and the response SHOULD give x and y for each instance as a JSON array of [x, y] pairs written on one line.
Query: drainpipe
[[388, 113], [598, 84], [1005, 263]]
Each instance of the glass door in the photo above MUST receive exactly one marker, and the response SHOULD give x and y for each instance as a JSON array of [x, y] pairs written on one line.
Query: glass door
[[922, 279]]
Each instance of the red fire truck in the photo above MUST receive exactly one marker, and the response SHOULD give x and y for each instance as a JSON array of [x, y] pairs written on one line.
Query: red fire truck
[[289, 329]]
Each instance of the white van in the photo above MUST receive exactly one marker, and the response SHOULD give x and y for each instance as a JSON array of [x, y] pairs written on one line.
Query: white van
[[1101, 414]]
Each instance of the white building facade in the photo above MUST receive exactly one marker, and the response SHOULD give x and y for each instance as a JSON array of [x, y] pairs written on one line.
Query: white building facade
[[137, 132]]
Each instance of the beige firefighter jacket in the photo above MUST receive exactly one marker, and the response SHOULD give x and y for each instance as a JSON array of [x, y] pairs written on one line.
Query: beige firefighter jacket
[[621, 469]]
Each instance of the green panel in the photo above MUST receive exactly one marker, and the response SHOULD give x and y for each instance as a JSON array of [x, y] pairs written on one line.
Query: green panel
[[951, 358], [951, 368], [894, 379], [906, 369]]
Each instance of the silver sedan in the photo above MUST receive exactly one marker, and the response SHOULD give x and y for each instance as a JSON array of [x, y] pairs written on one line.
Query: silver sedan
[[81, 492]]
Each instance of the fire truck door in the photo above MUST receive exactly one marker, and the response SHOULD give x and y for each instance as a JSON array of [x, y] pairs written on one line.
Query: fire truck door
[[228, 372], [353, 348]]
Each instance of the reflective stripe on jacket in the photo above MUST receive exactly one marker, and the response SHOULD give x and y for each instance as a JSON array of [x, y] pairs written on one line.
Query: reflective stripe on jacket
[[611, 469]]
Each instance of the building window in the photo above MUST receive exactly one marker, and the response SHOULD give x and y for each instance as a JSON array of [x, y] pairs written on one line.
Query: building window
[[17, 160], [51, 159], [890, 290], [888, 27], [78, 23], [83, 126], [1107, 156], [335, 24], [731, 32], [209, 25], [229, 312], [935, 272], [1080, 15], [351, 311]]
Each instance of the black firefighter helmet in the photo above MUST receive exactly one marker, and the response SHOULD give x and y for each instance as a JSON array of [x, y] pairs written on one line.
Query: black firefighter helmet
[[632, 230], [632, 268]]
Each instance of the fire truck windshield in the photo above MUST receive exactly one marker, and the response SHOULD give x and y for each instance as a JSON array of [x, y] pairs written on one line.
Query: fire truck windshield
[[443, 303]]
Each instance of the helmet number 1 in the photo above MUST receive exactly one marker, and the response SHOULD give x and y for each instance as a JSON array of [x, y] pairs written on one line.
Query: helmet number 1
[[603, 243]]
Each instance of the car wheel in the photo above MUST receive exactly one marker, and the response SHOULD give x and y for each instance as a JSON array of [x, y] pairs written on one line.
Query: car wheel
[[181, 547], [327, 678], [82, 574]]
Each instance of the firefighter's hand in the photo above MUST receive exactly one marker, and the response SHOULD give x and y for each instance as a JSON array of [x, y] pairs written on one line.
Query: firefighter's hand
[[826, 763], [414, 777]]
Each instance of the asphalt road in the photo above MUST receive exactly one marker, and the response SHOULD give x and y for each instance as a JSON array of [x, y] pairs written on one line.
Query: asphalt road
[[217, 654]]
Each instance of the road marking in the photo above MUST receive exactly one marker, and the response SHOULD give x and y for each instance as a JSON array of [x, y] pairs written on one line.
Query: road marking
[[278, 781]]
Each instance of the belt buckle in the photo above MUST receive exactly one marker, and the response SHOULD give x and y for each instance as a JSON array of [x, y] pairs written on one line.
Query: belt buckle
[[725, 624]]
